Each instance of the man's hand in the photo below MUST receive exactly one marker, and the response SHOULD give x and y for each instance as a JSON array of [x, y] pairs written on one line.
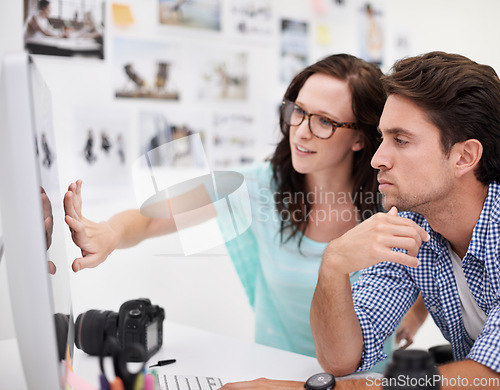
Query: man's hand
[[371, 242], [269, 384], [96, 240], [263, 383]]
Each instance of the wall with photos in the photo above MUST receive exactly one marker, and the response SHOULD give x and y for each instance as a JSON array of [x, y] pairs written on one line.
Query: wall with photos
[[218, 69]]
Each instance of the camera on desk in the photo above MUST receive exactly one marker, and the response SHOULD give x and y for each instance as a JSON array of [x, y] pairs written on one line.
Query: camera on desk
[[137, 322]]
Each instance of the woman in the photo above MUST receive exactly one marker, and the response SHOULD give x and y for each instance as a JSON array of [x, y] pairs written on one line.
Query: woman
[[317, 185], [39, 26]]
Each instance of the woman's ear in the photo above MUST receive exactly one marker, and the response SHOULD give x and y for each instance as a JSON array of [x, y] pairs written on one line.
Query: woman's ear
[[468, 154], [359, 143]]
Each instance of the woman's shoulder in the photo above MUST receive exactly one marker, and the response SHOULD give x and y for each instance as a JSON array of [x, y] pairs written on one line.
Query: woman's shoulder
[[258, 174], [258, 168]]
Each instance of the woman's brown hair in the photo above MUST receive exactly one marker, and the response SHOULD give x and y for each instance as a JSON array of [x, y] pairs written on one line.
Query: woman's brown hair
[[368, 98]]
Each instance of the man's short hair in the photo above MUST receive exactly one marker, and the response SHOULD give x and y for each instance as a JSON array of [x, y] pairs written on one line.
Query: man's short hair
[[42, 4], [460, 97]]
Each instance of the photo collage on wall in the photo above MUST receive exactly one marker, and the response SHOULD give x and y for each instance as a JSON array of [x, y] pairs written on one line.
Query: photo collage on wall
[[294, 48], [221, 75], [191, 66], [157, 128], [371, 38], [101, 148], [145, 69], [65, 28], [251, 18], [196, 14], [233, 142]]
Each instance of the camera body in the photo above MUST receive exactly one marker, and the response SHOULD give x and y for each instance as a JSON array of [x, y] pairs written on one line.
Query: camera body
[[137, 322], [141, 322]]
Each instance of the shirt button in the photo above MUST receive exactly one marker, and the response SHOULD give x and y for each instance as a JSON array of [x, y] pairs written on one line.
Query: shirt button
[[433, 309]]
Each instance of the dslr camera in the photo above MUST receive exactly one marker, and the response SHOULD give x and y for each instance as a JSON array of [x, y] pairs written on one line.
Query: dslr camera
[[137, 322]]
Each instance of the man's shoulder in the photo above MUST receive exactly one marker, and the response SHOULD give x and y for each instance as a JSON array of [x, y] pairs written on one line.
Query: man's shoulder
[[494, 192]]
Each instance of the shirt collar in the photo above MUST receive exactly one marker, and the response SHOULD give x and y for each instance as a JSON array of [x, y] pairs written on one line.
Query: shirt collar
[[437, 242], [489, 214]]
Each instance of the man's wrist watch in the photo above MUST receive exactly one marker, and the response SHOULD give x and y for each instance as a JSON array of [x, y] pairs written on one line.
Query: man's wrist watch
[[322, 381]]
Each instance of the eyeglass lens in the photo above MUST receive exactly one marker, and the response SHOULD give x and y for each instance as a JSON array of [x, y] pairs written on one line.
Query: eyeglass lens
[[319, 126]]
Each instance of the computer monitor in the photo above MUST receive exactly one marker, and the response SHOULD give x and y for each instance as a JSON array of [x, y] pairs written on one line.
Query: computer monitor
[[34, 248]]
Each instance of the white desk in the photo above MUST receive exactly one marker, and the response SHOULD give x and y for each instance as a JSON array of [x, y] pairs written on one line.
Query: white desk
[[202, 353], [71, 44], [198, 353], [64, 46]]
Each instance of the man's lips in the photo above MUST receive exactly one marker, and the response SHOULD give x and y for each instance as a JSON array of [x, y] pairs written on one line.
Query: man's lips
[[383, 183]]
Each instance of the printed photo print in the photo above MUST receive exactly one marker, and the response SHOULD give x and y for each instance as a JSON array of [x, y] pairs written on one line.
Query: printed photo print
[[68, 28]]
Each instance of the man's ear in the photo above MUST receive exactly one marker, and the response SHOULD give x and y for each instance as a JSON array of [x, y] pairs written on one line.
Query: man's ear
[[468, 154], [358, 144]]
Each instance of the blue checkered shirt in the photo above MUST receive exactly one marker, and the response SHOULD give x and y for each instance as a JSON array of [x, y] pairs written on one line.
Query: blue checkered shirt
[[385, 292]]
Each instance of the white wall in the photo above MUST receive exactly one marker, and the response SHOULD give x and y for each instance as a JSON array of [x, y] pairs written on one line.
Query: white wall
[[204, 291]]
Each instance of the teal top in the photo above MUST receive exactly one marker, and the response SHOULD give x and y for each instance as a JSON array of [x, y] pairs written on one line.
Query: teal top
[[278, 278]]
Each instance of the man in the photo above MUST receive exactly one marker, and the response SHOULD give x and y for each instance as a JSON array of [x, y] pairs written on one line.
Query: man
[[439, 163], [39, 25]]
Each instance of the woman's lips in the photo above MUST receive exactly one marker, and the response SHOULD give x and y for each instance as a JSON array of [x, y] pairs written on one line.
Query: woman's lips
[[301, 150]]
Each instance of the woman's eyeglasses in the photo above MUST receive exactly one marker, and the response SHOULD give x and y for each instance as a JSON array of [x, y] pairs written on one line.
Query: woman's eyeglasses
[[319, 126]]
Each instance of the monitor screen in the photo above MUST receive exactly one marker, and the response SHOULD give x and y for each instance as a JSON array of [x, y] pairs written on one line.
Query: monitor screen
[[33, 225]]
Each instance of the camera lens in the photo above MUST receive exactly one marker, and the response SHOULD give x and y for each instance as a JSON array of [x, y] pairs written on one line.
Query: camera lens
[[62, 326], [92, 328]]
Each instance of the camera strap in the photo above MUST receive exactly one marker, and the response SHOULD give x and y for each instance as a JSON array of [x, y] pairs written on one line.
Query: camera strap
[[120, 358]]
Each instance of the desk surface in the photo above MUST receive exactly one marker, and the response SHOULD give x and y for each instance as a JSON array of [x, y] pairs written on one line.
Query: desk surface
[[202, 353], [198, 353], [76, 44]]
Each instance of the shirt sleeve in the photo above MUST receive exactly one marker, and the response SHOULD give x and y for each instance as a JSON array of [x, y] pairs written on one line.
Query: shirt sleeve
[[381, 296], [485, 349]]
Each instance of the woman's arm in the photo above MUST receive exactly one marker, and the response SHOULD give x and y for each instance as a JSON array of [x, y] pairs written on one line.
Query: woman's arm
[[98, 240]]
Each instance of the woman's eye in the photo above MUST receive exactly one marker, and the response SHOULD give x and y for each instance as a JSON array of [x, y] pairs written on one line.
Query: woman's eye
[[325, 122], [400, 141], [299, 110]]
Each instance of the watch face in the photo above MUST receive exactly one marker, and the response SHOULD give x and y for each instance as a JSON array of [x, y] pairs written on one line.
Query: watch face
[[320, 381]]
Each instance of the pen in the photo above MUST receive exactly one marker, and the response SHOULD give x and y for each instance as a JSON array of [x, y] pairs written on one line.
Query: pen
[[139, 382], [117, 384], [156, 381], [149, 382], [104, 382], [163, 363]]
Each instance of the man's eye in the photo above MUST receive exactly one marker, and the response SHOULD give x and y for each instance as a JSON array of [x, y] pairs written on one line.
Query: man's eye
[[400, 141]]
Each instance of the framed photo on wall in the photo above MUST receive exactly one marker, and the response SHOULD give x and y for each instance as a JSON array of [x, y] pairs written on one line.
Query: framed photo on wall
[[68, 28]]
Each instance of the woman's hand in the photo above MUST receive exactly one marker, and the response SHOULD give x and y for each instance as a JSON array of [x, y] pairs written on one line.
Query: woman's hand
[[411, 323], [96, 240]]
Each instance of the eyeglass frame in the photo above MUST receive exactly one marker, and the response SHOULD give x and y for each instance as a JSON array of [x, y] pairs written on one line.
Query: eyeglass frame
[[335, 125]]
